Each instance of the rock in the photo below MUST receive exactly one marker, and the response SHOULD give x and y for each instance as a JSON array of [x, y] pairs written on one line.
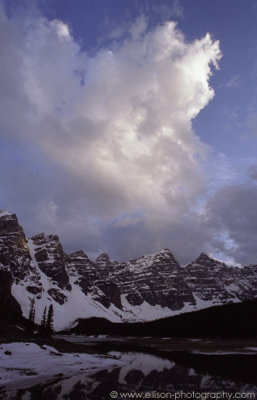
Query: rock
[[38, 270], [10, 310], [14, 251], [89, 276], [155, 279], [51, 258]]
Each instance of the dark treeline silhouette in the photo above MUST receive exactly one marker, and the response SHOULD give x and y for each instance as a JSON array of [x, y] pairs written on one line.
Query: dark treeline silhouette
[[46, 325], [230, 320]]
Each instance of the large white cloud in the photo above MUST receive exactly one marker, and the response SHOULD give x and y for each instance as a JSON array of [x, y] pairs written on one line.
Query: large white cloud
[[117, 123]]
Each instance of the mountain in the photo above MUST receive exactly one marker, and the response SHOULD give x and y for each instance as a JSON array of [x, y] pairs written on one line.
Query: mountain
[[148, 288]]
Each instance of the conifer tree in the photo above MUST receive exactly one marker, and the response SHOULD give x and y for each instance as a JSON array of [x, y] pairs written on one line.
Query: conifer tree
[[50, 320], [43, 322], [30, 324], [32, 311]]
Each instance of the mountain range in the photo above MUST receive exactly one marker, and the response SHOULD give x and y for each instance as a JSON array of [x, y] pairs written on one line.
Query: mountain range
[[148, 288]]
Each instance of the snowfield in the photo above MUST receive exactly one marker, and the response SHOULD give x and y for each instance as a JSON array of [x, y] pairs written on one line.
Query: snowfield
[[26, 364]]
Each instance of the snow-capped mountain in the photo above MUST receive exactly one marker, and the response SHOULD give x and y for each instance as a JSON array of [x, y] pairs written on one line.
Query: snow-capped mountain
[[150, 287]]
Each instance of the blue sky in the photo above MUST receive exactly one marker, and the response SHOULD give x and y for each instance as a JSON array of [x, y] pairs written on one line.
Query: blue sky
[[128, 126]]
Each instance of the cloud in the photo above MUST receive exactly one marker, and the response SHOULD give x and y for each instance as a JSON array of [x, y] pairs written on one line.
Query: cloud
[[232, 212], [233, 82], [118, 156], [167, 10], [251, 121], [252, 172], [62, 29]]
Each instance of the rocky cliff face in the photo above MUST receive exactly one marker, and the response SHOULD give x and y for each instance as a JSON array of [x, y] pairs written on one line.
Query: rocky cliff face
[[93, 279], [155, 279], [51, 258], [213, 281], [15, 254], [150, 287], [10, 310]]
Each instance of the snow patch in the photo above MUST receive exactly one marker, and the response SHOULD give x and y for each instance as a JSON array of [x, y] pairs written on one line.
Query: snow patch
[[3, 213], [26, 364]]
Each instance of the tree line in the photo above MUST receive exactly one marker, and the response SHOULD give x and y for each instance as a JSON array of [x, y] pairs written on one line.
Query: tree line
[[46, 327]]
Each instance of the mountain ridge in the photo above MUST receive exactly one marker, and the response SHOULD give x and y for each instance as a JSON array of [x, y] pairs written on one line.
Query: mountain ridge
[[147, 288]]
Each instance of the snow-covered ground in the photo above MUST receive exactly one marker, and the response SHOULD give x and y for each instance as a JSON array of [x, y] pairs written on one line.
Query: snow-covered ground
[[27, 364]]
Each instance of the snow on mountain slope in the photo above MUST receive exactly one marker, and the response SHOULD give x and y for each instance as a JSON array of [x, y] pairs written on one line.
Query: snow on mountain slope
[[69, 304], [4, 213], [150, 287]]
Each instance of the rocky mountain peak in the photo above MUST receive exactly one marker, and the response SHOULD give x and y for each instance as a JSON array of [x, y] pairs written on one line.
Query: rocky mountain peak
[[165, 261], [205, 260], [202, 258], [9, 226], [103, 261], [78, 255], [13, 245], [166, 254], [105, 266], [39, 238], [43, 239], [4, 213], [104, 257], [15, 254]]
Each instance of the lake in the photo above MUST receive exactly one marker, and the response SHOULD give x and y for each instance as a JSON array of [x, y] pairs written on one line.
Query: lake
[[155, 368]]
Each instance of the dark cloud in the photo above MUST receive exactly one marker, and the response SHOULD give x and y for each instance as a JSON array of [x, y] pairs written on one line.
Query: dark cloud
[[252, 172], [233, 211]]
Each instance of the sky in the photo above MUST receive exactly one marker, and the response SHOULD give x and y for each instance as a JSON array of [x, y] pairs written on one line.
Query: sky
[[128, 126]]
